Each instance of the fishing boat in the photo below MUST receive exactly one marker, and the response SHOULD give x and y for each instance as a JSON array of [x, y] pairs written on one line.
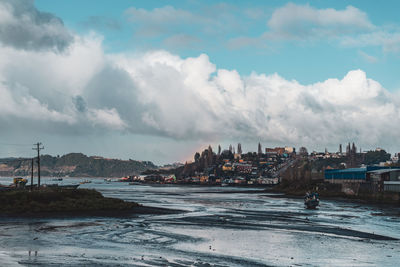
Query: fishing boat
[[311, 200]]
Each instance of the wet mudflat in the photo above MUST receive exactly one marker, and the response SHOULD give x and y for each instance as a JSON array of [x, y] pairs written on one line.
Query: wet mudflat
[[238, 228]]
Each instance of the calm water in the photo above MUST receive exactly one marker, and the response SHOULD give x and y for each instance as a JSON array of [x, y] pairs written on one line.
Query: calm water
[[218, 229]]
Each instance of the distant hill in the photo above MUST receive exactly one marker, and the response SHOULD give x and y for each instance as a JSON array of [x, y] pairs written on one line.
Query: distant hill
[[74, 165]]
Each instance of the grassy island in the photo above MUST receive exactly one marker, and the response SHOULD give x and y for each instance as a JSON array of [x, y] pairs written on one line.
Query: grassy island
[[57, 201]]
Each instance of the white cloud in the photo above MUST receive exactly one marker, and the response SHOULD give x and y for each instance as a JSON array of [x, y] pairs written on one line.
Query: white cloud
[[191, 98], [40, 86], [292, 22], [179, 41], [159, 20], [388, 40], [108, 118], [159, 16], [303, 22], [180, 26], [158, 93], [17, 102], [367, 57]]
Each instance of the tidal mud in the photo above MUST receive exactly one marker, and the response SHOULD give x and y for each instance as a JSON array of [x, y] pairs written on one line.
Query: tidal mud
[[235, 228]]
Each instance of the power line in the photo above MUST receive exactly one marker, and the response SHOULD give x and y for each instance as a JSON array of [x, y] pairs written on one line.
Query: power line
[[8, 144]]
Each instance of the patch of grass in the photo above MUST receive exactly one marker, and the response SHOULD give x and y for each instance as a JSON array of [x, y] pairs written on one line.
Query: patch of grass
[[47, 200]]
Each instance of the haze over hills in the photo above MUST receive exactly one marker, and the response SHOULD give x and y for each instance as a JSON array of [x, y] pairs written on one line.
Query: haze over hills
[[74, 165]]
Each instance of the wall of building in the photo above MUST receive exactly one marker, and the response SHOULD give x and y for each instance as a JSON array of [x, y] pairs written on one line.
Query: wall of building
[[392, 186]]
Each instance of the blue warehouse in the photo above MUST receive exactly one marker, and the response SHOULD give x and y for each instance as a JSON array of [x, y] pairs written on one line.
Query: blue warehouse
[[350, 175]]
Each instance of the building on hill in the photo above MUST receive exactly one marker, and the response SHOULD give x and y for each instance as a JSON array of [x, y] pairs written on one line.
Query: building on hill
[[278, 150], [237, 156], [289, 149], [243, 168]]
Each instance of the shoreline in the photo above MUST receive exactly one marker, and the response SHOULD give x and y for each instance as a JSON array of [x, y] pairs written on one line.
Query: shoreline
[[58, 202]]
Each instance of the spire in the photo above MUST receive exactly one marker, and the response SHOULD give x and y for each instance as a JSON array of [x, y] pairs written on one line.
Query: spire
[[239, 149]]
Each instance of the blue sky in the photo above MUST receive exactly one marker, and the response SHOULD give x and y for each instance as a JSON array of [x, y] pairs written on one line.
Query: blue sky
[[139, 79], [307, 62]]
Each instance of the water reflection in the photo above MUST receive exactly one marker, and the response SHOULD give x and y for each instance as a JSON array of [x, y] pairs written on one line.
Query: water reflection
[[220, 229]]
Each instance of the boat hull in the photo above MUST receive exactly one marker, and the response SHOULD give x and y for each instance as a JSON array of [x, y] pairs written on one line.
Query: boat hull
[[311, 204]]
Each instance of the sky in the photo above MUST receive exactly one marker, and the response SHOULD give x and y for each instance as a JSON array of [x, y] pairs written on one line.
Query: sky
[[160, 80]]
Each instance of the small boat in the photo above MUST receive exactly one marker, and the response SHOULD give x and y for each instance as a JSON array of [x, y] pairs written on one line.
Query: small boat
[[85, 182], [126, 179], [311, 200], [57, 179]]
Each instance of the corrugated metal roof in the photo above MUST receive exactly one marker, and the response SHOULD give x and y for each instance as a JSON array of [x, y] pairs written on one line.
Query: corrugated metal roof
[[383, 171], [347, 170]]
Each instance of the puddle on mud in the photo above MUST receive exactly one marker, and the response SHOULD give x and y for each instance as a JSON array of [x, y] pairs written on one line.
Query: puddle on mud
[[229, 229]]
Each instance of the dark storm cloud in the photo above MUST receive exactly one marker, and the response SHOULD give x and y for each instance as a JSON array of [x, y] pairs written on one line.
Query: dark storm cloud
[[22, 26], [80, 103]]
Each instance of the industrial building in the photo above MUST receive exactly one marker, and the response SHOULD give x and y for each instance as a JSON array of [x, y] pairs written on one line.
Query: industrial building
[[349, 175], [392, 186], [377, 177]]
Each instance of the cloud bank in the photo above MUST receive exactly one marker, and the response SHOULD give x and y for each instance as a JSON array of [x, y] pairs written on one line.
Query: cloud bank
[[162, 94], [303, 21], [23, 26], [83, 91], [349, 27]]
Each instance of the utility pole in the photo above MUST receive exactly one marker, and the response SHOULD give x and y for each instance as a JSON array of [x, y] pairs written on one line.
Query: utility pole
[[32, 175], [38, 147]]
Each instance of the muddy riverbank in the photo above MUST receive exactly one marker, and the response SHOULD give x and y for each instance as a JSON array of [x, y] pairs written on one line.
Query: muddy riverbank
[[234, 228]]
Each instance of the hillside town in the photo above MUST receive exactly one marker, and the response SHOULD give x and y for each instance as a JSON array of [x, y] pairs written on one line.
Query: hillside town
[[227, 167], [348, 171], [355, 171]]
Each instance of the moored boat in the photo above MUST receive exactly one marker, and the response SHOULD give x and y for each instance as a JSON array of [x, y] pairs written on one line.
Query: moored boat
[[311, 200]]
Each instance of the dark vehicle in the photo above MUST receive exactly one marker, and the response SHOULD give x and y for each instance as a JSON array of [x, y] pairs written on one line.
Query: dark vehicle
[[311, 200]]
